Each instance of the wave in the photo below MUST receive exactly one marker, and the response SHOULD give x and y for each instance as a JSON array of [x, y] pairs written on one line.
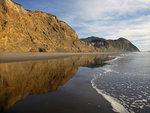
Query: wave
[[110, 61], [125, 54], [126, 90], [107, 70], [117, 57], [117, 107]]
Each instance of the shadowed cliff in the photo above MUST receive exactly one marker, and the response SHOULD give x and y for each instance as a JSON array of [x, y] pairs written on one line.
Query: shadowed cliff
[[120, 45]]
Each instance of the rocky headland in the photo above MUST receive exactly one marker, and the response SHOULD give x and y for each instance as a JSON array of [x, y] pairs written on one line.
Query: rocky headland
[[35, 31], [104, 45]]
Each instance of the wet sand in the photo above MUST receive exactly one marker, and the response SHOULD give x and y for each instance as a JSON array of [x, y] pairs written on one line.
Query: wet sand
[[15, 57], [75, 96]]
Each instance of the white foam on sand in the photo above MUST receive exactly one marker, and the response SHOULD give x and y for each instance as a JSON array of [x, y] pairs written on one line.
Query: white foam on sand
[[115, 59], [117, 107], [124, 54], [107, 70]]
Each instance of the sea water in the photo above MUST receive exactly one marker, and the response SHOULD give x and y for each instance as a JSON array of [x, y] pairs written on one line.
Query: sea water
[[125, 82]]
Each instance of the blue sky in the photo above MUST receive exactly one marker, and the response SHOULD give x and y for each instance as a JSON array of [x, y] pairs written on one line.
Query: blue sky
[[109, 19]]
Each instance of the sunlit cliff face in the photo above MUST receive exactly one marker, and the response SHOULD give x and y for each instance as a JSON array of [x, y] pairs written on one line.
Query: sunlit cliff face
[[34, 31], [20, 79]]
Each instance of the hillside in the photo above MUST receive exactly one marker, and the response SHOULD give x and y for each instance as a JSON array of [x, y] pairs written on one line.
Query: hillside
[[32, 31], [121, 44]]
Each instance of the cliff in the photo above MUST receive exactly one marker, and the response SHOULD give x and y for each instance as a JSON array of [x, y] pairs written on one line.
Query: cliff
[[32, 31], [120, 45]]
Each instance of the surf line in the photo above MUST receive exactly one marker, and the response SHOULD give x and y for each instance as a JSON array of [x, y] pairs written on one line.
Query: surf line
[[117, 107]]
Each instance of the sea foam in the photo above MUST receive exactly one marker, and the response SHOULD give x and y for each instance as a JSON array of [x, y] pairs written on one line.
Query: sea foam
[[117, 107]]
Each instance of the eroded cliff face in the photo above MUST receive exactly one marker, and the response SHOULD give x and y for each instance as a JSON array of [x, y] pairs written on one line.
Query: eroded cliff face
[[32, 31], [38, 77], [120, 45]]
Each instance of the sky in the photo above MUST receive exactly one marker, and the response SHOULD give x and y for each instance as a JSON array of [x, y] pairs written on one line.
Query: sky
[[108, 19]]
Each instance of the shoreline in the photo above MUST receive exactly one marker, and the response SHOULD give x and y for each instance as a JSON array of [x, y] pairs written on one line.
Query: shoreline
[[16, 57], [77, 91], [115, 104]]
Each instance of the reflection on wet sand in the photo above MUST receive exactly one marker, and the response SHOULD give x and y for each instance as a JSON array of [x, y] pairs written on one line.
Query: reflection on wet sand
[[20, 79]]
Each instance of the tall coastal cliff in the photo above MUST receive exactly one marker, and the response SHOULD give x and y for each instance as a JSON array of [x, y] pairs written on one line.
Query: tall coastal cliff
[[34, 31]]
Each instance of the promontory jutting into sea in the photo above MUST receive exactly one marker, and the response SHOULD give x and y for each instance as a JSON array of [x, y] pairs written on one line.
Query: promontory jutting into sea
[[46, 68]]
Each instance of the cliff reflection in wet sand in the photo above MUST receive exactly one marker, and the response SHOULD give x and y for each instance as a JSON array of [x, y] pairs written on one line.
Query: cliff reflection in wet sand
[[20, 79]]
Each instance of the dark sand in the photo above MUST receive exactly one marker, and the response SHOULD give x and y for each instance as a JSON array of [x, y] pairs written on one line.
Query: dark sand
[[76, 96]]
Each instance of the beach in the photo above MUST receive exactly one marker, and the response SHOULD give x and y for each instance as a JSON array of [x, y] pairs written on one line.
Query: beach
[[76, 96], [29, 56], [81, 83], [54, 85]]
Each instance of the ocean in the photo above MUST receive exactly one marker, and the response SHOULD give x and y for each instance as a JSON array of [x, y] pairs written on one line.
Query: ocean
[[125, 82]]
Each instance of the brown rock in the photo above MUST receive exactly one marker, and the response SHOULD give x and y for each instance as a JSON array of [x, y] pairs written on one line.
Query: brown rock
[[32, 31]]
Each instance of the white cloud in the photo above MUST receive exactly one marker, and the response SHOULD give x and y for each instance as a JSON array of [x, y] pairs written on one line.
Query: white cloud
[[91, 9], [138, 33], [112, 19]]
